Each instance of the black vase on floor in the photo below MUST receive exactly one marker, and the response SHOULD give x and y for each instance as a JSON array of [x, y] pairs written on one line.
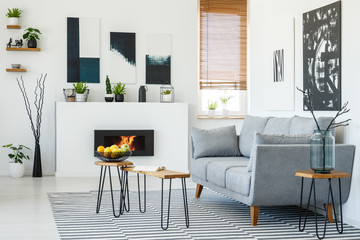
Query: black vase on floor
[[32, 43], [37, 171], [119, 97]]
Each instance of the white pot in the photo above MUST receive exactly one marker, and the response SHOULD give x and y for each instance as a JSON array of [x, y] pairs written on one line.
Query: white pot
[[166, 98], [211, 113], [13, 21], [225, 112], [16, 170]]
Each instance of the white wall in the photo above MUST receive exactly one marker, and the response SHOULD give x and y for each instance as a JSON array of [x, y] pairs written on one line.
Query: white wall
[[263, 12], [179, 18]]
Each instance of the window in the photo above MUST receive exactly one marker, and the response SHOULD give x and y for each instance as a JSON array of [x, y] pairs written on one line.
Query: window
[[223, 48]]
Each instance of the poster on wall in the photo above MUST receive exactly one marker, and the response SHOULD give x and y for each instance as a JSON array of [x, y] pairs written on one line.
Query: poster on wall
[[279, 66], [122, 57], [322, 56], [158, 59], [83, 50]]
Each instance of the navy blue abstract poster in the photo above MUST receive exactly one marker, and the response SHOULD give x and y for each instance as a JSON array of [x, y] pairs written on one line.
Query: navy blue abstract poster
[[158, 69]]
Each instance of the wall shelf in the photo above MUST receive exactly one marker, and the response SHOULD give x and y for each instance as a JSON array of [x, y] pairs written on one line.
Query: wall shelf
[[16, 70], [13, 26], [23, 49]]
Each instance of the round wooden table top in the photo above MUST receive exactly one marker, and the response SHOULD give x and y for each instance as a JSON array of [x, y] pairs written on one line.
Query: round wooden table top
[[312, 174], [113, 164]]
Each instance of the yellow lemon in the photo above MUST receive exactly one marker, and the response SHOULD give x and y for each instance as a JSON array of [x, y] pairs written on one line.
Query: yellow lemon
[[107, 152], [100, 149], [114, 147]]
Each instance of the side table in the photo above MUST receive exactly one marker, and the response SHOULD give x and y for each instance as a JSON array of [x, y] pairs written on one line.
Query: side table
[[124, 187], [313, 176]]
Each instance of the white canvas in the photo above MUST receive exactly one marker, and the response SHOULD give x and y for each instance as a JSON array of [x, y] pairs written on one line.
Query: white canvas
[[89, 34], [279, 36], [158, 44]]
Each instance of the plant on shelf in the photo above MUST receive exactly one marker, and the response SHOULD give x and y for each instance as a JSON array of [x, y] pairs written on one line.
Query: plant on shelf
[[82, 91], [212, 105], [109, 96], [16, 166], [166, 92], [31, 35], [14, 15], [224, 99], [119, 91]]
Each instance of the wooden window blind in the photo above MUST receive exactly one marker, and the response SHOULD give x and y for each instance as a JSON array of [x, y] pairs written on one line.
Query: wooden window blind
[[223, 44]]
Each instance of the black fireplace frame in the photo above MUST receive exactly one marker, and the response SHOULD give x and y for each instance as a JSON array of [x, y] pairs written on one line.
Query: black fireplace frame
[[149, 139]]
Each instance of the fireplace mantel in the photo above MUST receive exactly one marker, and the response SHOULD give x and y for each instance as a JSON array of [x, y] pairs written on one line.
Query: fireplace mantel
[[76, 122]]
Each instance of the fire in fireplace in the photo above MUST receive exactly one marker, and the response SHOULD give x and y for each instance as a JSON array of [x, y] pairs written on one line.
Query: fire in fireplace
[[141, 142]]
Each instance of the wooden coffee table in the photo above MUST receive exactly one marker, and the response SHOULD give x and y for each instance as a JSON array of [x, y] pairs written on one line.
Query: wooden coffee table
[[163, 174]]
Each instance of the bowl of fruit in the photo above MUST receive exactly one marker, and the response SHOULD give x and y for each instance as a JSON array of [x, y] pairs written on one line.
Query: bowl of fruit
[[113, 153]]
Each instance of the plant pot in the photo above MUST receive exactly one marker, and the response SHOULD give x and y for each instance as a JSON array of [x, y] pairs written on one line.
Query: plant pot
[[167, 98], [109, 97], [13, 21], [32, 43], [16, 170], [322, 151], [119, 97], [82, 97], [225, 113], [211, 113]]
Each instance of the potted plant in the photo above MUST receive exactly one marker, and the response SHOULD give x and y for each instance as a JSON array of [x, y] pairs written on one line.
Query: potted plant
[[31, 35], [81, 91], [14, 15], [16, 166], [119, 91], [212, 107], [166, 96], [109, 96], [224, 99]]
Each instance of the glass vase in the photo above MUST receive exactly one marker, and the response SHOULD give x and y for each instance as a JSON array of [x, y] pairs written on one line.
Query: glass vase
[[322, 151]]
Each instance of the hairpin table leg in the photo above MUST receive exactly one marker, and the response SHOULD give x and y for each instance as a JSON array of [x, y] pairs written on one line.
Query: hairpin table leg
[[186, 207], [139, 193], [162, 210], [101, 187]]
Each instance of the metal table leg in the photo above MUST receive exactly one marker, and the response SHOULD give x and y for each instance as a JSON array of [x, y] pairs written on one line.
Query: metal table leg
[[308, 203], [101, 187], [186, 207], [162, 196], [139, 193]]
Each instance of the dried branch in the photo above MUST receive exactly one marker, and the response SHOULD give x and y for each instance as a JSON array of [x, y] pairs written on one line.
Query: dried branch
[[342, 111], [309, 104]]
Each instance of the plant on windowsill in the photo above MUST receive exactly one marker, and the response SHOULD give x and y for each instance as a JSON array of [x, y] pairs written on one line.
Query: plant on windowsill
[[109, 96], [322, 143], [14, 15], [119, 90], [224, 99], [16, 166], [212, 105], [31, 35], [82, 91]]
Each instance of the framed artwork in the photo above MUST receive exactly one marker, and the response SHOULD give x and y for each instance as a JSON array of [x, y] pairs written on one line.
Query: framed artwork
[[83, 50], [322, 56]]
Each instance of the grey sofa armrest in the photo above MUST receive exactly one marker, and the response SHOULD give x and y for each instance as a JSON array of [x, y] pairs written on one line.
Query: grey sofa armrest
[[273, 177]]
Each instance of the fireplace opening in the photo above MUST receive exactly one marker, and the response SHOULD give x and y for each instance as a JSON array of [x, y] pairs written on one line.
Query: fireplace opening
[[141, 142]]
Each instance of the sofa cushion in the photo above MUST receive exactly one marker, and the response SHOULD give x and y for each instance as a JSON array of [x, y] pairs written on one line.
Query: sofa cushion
[[304, 125], [261, 138], [199, 167], [216, 169], [216, 142], [238, 179], [251, 125], [277, 125]]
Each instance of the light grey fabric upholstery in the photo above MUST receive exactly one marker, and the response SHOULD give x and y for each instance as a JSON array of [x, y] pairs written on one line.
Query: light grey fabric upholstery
[[238, 179], [252, 124], [305, 125], [277, 126], [217, 169], [215, 142]]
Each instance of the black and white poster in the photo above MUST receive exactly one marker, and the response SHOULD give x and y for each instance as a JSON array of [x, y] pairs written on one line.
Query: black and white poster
[[322, 56], [278, 65]]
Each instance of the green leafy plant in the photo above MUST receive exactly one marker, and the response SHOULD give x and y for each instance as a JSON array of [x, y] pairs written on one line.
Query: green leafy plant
[[166, 92], [212, 105], [31, 34], [80, 87], [108, 85], [224, 99], [15, 12], [119, 88], [18, 156]]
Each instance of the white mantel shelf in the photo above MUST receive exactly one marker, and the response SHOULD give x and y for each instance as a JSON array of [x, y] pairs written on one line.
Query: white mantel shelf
[[76, 122]]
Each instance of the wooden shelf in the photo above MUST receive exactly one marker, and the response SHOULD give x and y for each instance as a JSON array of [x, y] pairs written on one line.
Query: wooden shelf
[[16, 70], [13, 26], [24, 49]]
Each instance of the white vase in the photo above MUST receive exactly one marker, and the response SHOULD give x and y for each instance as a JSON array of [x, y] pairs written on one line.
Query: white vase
[[13, 21], [166, 98], [225, 113], [211, 113], [16, 170]]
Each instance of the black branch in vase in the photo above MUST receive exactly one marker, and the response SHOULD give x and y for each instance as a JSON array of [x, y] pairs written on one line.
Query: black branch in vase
[[35, 122]]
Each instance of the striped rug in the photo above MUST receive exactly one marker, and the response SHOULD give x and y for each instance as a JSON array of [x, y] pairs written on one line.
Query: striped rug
[[212, 216]]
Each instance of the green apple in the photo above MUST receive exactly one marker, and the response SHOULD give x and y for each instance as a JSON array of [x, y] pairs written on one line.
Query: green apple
[[122, 152], [125, 147]]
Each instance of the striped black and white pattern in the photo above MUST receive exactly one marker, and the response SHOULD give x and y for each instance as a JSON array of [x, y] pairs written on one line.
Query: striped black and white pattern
[[212, 216]]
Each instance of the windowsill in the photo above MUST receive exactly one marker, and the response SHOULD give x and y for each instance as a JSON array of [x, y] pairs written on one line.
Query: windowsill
[[221, 117]]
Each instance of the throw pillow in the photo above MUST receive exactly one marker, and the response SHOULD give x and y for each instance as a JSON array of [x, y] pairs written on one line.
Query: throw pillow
[[217, 142]]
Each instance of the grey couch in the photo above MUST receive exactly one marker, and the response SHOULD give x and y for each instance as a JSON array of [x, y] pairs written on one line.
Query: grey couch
[[262, 173]]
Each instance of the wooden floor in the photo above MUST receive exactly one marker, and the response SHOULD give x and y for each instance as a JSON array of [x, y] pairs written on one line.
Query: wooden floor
[[25, 212]]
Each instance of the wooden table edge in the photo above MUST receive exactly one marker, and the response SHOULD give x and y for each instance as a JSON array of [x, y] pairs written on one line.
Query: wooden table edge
[[160, 174], [312, 174]]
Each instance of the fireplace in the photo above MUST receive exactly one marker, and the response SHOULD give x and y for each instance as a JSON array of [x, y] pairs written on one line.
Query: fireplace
[[141, 142]]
